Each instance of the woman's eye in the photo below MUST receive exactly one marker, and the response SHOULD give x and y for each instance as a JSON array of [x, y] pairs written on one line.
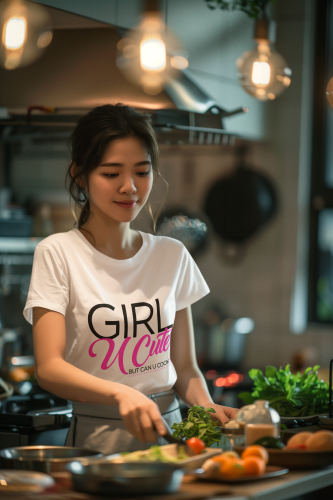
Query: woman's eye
[[110, 176], [143, 174]]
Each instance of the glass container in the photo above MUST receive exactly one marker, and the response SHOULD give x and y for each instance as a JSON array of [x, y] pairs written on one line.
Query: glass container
[[260, 421]]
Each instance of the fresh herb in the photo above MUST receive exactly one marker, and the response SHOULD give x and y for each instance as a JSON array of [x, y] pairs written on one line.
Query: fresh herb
[[253, 8], [291, 395], [199, 424]]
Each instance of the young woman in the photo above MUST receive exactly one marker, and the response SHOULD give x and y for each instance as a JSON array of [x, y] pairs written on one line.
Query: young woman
[[110, 306]]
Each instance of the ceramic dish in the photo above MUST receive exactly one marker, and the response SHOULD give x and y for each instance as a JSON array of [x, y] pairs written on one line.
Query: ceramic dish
[[297, 459], [187, 463], [271, 471]]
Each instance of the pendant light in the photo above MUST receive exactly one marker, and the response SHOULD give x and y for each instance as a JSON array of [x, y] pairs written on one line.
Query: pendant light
[[150, 54], [263, 72], [25, 32]]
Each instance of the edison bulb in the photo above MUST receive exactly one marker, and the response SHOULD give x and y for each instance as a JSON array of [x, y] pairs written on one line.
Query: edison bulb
[[26, 32], [150, 54], [263, 72]]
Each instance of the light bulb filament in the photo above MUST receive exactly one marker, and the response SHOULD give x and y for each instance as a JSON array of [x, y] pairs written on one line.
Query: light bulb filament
[[15, 33], [261, 73], [152, 55]]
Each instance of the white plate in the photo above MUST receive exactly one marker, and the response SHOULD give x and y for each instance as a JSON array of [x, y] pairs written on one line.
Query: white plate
[[187, 463]]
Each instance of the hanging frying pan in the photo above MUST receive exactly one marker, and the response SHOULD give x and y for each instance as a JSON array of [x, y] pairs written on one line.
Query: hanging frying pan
[[240, 204]]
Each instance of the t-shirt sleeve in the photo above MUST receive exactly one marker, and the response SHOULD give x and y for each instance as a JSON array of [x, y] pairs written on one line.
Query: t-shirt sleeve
[[191, 285], [48, 285]]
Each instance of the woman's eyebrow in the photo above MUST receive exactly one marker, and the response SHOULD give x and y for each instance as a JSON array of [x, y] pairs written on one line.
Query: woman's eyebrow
[[139, 164]]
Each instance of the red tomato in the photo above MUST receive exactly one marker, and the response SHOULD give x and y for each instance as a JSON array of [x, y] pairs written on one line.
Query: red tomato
[[196, 445]]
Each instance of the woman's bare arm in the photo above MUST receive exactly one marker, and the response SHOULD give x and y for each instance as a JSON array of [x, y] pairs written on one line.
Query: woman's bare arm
[[191, 385], [59, 377]]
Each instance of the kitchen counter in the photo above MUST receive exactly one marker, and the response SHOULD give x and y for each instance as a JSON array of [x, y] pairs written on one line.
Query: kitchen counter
[[289, 486]]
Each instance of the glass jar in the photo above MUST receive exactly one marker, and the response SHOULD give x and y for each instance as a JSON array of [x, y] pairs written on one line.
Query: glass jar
[[242, 414], [260, 421], [231, 438]]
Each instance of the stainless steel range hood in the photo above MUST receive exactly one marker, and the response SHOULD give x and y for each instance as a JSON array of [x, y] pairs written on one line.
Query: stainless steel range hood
[[78, 72]]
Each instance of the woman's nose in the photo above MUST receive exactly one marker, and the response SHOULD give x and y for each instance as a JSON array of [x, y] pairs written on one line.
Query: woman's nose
[[128, 185]]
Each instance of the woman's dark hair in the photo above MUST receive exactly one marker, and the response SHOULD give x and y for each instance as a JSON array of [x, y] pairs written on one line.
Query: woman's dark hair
[[92, 135]]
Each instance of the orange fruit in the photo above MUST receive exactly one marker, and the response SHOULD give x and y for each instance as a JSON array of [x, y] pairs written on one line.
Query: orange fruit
[[256, 450], [221, 459], [254, 466], [233, 468], [231, 454]]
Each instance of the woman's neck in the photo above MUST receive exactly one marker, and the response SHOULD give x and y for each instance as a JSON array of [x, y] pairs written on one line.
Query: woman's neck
[[116, 240]]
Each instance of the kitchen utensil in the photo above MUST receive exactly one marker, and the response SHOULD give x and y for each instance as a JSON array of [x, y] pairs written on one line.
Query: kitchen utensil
[[43, 458], [239, 204], [178, 441], [131, 478], [271, 471], [171, 449], [24, 482], [297, 459]]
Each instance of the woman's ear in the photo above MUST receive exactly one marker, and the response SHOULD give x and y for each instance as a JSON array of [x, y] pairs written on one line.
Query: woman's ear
[[74, 172]]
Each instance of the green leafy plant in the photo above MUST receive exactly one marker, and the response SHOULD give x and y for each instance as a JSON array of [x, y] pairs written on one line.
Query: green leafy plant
[[253, 8], [291, 395], [199, 424]]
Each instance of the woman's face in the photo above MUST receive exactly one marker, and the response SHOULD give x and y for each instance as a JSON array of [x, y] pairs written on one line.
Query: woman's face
[[119, 187]]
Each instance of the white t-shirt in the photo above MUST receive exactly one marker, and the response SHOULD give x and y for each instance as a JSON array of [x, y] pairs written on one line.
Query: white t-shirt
[[118, 313]]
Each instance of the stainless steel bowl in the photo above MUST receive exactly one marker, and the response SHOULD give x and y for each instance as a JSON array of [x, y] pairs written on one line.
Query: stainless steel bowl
[[43, 458], [122, 479]]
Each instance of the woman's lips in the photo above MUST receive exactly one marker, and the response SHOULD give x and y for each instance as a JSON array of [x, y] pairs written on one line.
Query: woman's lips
[[128, 204]]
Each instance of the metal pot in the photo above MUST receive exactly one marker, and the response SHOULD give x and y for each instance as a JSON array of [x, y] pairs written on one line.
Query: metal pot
[[43, 458], [129, 478]]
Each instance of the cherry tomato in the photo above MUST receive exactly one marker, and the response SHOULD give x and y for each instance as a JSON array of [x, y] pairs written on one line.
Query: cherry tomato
[[196, 445]]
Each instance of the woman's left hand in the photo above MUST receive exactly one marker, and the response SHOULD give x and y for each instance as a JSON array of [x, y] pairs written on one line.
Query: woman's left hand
[[223, 413]]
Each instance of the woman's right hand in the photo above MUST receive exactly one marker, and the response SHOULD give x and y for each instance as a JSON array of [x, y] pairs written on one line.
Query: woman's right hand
[[140, 414]]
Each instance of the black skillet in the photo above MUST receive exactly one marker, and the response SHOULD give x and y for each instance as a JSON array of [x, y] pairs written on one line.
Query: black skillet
[[241, 203]]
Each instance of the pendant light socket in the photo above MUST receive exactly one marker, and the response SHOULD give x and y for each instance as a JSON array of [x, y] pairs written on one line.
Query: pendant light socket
[[151, 6], [264, 30]]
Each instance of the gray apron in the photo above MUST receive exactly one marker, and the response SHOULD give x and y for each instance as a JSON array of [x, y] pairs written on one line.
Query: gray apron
[[100, 427]]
